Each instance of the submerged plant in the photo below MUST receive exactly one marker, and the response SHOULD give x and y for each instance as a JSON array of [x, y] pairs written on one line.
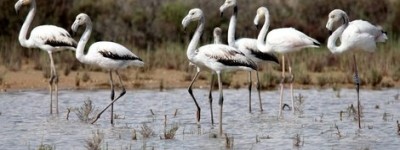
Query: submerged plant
[[94, 142], [86, 112], [297, 141], [299, 103], [338, 131], [146, 131], [229, 141], [170, 134], [398, 127], [46, 147]]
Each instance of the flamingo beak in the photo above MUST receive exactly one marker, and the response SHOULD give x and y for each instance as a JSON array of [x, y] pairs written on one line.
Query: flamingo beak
[[330, 32]]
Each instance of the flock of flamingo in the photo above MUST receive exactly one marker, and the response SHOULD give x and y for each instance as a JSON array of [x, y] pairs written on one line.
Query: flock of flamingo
[[240, 54]]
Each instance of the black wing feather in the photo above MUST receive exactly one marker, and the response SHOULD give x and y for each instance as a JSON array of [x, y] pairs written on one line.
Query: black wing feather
[[114, 56]]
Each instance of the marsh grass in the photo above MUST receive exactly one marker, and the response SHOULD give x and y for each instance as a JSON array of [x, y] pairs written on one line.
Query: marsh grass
[[133, 134], [46, 147], [86, 112], [269, 80], [352, 112], [95, 141], [398, 127], [338, 133], [146, 131], [300, 104], [229, 141], [171, 132], [298, 141]]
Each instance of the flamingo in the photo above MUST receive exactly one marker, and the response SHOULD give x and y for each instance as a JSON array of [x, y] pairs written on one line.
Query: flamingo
[[282, 40], [354, 35], [248, 46], [49, 38], [108, 55], [216, 57]]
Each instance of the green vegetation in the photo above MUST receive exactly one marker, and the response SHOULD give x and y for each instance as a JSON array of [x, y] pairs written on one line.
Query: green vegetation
[[152, 29]]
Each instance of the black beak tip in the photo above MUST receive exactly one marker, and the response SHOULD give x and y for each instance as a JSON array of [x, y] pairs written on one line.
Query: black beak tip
[[257, 26], [221, 14], [330, 32]]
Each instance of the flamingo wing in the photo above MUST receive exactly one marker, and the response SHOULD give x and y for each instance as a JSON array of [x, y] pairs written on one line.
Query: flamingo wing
[[53, 36]]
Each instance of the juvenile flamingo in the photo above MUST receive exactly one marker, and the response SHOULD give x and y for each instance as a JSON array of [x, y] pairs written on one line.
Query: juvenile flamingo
[[248, 46], [217, 57], [108, 55], [49, 38], [355, 35], [282, 40]]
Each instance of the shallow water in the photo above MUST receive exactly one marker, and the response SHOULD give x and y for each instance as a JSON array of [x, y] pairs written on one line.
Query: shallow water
[[25, 122]]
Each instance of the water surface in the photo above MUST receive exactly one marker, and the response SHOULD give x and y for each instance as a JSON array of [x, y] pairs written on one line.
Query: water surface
[[25, 122]]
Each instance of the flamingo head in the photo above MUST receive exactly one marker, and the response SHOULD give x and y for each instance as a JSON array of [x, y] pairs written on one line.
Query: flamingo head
[[81, 19], [194, 14], [20, 3], [261, 12], [335, 16], [227, 4]]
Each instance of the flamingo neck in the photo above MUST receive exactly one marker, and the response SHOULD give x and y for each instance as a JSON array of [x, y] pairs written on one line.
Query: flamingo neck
[[79, 54], [333, 38], [232, 27], [24, 29], [195, 39], [217, 39], [262, 45]]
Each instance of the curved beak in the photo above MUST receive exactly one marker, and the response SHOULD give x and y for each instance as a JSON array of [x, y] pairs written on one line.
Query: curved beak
[[330, 32], [74, 28], [221, 14], [17, 6], [185, 23]]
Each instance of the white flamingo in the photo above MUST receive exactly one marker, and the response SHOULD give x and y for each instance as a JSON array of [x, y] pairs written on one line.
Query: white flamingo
[[107, 55], [355, 35], [49, 38], [248, 46], [282, 40], [217, 57]]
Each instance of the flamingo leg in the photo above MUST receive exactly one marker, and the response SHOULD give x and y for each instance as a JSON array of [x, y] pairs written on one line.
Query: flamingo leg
[[291, 83], [210, 98], [112, 97], [357, 83], [250, 84], [281, 84], [51, 81], [221, 102], [191, 94], [258, 89], [122, 86]]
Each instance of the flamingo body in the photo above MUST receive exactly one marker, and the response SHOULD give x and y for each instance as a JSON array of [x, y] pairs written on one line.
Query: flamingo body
[[110, 55]]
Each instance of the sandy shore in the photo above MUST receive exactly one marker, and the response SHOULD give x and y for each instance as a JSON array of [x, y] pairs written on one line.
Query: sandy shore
[[29, 79]]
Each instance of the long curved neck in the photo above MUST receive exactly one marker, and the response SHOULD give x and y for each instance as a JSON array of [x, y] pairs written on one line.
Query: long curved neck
[[335, 35], [79, 54], [24, 29], [232, 27], [261, 44], [195, 39]]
